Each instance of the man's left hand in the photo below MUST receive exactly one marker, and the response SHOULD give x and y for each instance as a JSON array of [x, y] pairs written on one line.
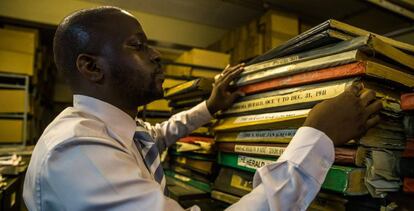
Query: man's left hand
[[221, 97]]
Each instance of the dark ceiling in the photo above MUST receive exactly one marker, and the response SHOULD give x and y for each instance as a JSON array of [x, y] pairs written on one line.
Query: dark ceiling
[[228, 14]]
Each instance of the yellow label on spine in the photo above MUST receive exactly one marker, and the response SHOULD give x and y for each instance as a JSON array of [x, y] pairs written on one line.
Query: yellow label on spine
[[269, 116], [261, 134], [262, 150], [303, 96], [182, 178], [239, 182], [252, 163]]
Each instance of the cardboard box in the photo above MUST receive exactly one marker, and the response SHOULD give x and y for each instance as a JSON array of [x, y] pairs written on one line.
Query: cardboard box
[[12, 101], [177, 71], [203, 73], [254, 47], [15, 62], [204, 58], [18, 41], [187, 72], [11, 131], [278, 28], [285, 23]]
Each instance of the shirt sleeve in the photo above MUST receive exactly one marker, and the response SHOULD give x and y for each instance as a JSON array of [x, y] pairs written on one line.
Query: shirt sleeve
[[179, 125], [294, 180], [96, 175]]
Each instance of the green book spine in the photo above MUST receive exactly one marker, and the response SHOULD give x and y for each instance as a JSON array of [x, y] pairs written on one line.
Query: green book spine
[[197, 184], [346, 180], [242, 162], [195, 156]]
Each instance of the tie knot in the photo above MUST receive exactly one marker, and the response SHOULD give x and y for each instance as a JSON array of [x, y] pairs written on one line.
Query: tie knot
[[143, 136]]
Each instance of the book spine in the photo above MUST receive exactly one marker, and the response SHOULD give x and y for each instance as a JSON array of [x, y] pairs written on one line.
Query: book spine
[[192, 139], [407, 101], [272, 136], [342, 155], [259, 150], [225, 197], [408, 186], [234, 181], [299, 97], [319, 63], [197, 184], [346, 180], [337, 178], [181, 88], [345, 156], [294, 118], [270, 116], [267, 134], [406, 167], [338, 72], [245, 163], [409, 149], [201, 166]]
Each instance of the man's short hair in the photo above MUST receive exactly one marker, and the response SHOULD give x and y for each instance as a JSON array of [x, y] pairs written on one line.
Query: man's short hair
[[80, 33]]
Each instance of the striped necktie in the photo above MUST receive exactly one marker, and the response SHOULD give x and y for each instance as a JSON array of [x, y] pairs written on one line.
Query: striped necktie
[[151, 155]]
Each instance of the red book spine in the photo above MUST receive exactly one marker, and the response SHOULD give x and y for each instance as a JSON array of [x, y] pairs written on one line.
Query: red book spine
[[407, 101], [408, 185], [192, 139], [343, 71], [409, 149]]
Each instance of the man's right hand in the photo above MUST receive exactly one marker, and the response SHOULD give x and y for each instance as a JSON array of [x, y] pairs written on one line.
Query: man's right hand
[[347, 116]]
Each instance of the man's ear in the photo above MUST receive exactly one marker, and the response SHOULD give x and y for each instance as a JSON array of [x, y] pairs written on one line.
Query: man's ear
[[88, 66]]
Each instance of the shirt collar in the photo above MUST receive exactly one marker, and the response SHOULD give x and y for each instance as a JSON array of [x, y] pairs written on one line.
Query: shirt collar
[[114, 118]]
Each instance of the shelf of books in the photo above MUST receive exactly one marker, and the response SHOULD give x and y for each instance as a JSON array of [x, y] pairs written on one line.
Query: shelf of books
[[281, 87]]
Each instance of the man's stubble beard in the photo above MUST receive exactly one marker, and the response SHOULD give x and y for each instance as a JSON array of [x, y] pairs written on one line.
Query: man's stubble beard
[[132, 90]]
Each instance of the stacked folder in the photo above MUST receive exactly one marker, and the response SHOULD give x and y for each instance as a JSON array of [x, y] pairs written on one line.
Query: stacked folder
[[192, 160], [159, 110], [282, 86], [186, 95], [407, 159]]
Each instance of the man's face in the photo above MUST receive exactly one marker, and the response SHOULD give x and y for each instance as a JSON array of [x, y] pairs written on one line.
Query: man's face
[[136, 73]]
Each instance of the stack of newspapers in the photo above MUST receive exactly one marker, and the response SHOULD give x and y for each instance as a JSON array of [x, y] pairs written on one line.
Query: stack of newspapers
[[192, 160], [282, 86]]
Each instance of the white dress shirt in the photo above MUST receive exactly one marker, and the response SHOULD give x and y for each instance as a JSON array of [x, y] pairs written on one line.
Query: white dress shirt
[[86, 160]]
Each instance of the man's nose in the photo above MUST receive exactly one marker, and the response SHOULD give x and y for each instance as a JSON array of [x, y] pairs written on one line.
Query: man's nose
[[155, 55]]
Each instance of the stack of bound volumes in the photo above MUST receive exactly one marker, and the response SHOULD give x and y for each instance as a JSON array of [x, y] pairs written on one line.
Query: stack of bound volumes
[[282, 86], [186, 95], [158, 110], [407, 159], [192, 160]]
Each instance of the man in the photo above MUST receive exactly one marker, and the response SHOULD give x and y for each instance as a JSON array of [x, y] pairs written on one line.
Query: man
[[93, 156]]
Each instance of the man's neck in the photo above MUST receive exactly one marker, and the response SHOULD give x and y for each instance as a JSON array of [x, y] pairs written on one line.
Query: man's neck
[[128, 109]]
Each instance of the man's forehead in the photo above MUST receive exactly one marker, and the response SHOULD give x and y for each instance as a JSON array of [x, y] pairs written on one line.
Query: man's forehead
[[125, 24]]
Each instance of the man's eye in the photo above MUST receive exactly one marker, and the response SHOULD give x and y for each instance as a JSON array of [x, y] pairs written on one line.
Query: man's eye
[[138, 45]]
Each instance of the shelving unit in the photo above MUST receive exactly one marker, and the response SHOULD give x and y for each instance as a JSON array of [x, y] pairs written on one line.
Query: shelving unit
[[10, 81]]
